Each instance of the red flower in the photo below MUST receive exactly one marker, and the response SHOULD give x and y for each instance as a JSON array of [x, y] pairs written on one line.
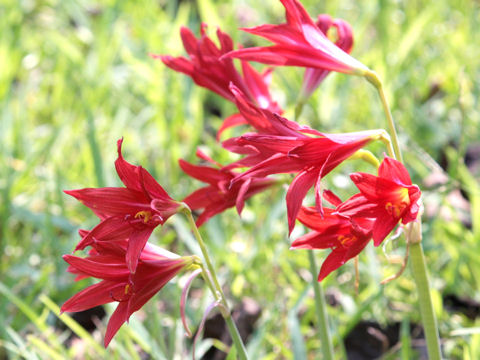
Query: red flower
[[127, 213], [311, 158], [107, 262], [388, 198], [266, 121], [218, 195], [345, 237], [207, 69], [313, 76], [299, 42]]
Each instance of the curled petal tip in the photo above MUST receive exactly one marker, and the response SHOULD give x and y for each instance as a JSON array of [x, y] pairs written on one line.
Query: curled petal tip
[[355, 177]]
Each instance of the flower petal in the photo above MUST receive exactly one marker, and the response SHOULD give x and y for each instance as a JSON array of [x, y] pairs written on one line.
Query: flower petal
[[315, 240], [240, 201], [231, 121], [357, 206], [206, 174], [110, 229], [375, 188], [111, 201], [333, 261], [296, 193], [136, 243], [394, 170], [109, 269], [92, 296], [383, 225], [119, 316]]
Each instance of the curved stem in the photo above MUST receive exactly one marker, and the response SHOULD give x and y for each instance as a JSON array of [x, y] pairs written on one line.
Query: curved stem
[[321, 310], [366, 156], [373, 78], [419, 271], [216, 288]]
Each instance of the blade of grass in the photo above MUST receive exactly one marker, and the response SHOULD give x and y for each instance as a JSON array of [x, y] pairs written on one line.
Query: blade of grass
[[31, 315], [298, 342], [45, 350], [72, 325], [20, 344]]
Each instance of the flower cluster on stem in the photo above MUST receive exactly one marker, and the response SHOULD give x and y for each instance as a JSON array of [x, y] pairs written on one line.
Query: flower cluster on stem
[[132, 270]]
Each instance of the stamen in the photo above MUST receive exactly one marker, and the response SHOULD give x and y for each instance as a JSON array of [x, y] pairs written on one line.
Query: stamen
[[125, 297], [146, 215], [346, 240], [397, 209]]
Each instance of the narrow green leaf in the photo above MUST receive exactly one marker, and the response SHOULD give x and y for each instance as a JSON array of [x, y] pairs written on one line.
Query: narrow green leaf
[[72, 325], [45, 350]]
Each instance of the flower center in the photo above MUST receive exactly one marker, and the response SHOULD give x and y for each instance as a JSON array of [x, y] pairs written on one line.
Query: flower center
[[346, 240], [396, 209], [145, 215], [121, 296]]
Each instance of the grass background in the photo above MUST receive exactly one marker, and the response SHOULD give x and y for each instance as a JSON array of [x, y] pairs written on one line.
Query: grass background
[[75, 76]]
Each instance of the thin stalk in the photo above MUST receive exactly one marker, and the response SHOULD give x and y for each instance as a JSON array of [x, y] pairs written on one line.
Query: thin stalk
[[321, 310], [419, 270], [217, 289], [373, 78], [414, 239], [208, 280]]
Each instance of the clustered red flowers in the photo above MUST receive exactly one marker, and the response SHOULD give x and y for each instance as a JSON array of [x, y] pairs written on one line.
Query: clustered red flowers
[[383, 201], [132, 270], [276, 145]]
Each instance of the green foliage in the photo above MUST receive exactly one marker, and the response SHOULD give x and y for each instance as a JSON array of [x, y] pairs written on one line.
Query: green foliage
[[75, 76]]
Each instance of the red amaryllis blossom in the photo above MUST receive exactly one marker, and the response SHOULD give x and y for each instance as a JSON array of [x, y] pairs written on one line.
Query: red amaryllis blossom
[[299, 42], [311, 158], [207, 69], [266, 121], [313, 76], [129, 213], [107, 262], [388, 198], [346, 237], [218, 195]]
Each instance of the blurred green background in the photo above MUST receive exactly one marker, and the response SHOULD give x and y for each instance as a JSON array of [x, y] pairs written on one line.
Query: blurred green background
[[75, 76]]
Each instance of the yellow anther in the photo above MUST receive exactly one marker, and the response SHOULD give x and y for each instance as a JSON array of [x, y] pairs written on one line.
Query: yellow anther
[[127, 287], [346, 240], [388, 207], [397, 209], [146, 215]]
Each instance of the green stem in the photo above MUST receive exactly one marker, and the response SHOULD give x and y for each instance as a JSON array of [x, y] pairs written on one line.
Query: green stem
[[366, 156], [208, 280], [414, 239], [373, 78], [419, 271], [217, 289], [321, 310]]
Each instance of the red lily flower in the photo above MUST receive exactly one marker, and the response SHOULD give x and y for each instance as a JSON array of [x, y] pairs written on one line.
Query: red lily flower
[[388, 197], [218, 195], [266, 121], [207, 69], [313, 76], [129, 213], [311, 158], [299, 42], [155, 268], [345, 237]]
